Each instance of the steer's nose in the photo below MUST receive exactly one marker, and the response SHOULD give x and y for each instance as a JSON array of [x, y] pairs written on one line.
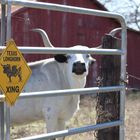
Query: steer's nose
[[79, 68]]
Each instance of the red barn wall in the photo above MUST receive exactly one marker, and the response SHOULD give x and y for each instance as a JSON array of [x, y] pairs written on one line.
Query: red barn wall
[[133, 58], [67, 29]]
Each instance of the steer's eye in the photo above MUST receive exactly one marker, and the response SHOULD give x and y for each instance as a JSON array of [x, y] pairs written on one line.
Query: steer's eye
[[87, 56], [68, 56]]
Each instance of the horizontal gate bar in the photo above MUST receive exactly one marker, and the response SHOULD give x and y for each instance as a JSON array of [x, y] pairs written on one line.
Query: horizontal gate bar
[[65, 8], [43, 50], [68, 92], [73, 131]]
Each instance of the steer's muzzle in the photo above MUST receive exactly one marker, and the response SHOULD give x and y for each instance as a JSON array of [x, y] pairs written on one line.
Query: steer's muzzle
[[79, 68]]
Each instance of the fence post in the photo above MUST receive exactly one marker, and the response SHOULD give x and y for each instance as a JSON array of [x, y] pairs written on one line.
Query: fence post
[[108, 103]]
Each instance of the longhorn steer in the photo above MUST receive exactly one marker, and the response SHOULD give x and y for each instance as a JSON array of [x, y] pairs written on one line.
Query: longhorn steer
[[61, 72]]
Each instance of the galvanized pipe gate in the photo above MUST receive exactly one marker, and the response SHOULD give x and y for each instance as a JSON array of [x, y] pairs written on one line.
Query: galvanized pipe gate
[[30, 50]]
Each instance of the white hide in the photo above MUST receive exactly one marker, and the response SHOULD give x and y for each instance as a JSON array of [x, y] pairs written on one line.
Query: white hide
[[51, 75]]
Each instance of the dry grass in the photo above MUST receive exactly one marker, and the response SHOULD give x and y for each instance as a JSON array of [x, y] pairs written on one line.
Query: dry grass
[[82, 117], [132, 118], [86, 115]]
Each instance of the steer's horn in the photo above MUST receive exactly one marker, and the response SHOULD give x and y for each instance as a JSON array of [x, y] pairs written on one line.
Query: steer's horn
[[98, 47], [45, 37], [112, 33], [115, 31]]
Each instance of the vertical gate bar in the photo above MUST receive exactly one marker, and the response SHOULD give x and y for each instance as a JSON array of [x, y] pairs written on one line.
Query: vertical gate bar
[[123, 78], [3, 15], [2, 120], [122, 115], [7, 137], [8, 36]]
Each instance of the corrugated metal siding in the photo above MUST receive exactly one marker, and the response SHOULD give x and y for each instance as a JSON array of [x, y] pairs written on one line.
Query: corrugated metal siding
[[64, 29]]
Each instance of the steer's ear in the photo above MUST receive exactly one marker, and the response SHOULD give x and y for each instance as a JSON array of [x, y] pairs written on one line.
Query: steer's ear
[[61, 58], [92, 60]]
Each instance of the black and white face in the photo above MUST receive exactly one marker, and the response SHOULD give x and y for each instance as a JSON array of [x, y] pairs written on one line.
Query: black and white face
[[77, 67]]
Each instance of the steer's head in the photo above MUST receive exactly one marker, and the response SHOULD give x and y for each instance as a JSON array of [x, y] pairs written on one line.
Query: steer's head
[[76, 67]]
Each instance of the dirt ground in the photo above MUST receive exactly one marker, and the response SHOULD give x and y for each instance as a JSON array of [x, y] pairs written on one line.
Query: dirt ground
[[87, 115]]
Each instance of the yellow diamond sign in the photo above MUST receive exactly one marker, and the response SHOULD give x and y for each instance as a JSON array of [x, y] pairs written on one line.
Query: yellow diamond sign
[[14, 72]]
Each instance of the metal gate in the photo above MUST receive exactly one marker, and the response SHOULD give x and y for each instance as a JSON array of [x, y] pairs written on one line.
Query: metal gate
[[122, 52]]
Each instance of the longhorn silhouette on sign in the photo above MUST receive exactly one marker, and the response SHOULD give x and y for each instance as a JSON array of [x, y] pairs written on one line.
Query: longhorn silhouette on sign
[[12, 71]]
